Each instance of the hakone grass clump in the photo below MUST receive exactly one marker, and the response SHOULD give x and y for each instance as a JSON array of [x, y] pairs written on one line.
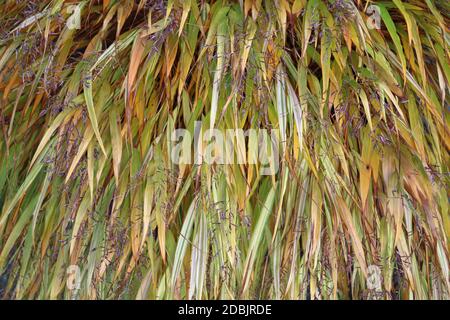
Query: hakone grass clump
[[92, 207]]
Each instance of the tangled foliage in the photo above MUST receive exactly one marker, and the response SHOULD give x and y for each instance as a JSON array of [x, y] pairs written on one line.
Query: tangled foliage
[[92, 207]]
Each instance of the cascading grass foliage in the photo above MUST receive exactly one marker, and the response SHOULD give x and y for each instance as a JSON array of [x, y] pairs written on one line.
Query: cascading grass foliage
[[87, 182]]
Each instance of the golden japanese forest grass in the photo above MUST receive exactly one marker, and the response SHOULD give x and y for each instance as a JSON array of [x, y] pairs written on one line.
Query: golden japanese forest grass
[[86, 178]]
